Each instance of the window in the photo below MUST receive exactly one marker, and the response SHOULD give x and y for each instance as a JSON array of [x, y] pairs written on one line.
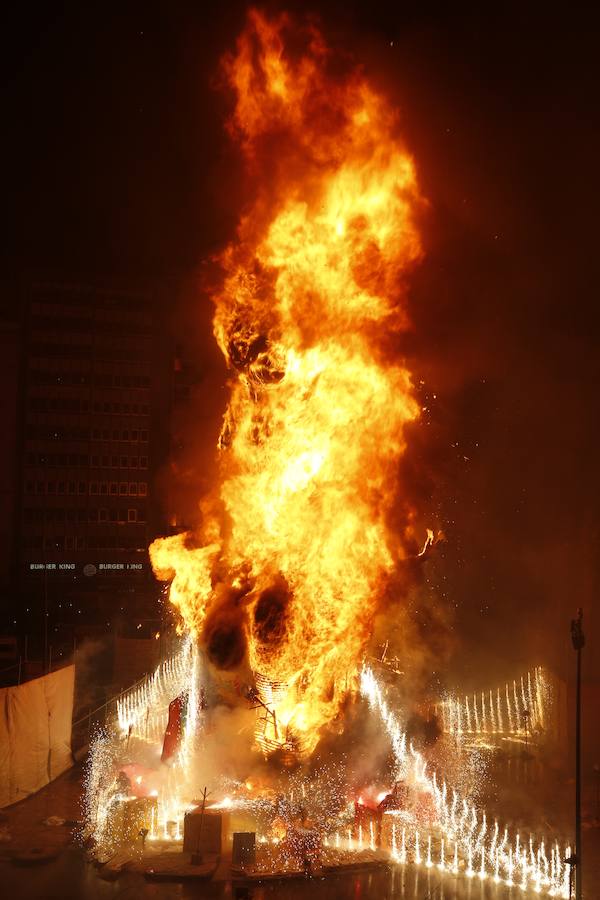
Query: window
[[95, 462], [143, 462], [40, 487], [143, 435], [72, 487], [114, 462], [134, 462], [123, 489], [142, 488], [125, 435], [61, 487], [122, 515], [133, 488], [93, 487], [103, 515], [82, 487], [115, 435], [132, 515], [81, 515], [93, 515], [79, 542], [51, 487], [106, 462], [114, 488], [124, 462], [134, 434], [113, 515], [104, 487]]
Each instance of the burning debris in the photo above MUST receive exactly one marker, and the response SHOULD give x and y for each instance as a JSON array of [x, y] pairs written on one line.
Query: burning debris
[[282, 821]]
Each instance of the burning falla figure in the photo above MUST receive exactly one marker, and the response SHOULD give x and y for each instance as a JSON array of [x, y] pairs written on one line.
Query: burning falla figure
[[290, 563]]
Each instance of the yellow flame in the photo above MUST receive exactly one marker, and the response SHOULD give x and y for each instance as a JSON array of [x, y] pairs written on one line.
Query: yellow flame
[[316, 420]]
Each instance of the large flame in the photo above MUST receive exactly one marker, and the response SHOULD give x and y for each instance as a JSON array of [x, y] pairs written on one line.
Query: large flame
[[292, 573]]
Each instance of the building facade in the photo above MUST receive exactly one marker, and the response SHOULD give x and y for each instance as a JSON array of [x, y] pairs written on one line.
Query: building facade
[[96, 386]]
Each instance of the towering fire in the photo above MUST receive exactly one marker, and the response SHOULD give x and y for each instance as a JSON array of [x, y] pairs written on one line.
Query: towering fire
[[294, 551]]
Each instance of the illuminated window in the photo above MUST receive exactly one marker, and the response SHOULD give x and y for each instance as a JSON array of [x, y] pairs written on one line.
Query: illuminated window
[[142, 488]]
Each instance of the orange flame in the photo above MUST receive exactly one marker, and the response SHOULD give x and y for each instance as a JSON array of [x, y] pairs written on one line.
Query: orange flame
[[315, 424]]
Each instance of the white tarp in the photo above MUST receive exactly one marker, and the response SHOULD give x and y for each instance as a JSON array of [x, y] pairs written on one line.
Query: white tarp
[[35, 733]]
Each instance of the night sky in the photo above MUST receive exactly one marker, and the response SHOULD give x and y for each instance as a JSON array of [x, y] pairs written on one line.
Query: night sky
[[116, 163]]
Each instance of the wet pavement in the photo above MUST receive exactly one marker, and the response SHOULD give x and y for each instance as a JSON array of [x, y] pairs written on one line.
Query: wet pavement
[[71, 877], [67, 874]]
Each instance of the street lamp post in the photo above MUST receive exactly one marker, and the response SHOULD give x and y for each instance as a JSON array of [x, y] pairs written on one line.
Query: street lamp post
[[578, 639]]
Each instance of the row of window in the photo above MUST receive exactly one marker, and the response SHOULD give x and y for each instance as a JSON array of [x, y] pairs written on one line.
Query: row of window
[[80, 405], [82, 461], [133, 435], [74, 433], [99, 379], [87, 324], [83, 542], [47, 350], [56, 298], [93, 514], [94, 488]]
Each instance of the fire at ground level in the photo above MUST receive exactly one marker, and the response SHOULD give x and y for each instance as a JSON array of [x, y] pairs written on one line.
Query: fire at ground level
[[475, 810], [69, 874]]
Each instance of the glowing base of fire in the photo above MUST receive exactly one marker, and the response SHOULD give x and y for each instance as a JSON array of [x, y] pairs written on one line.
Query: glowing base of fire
[[128, 801]]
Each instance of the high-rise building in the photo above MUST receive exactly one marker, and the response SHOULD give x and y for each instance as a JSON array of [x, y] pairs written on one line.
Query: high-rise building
[[96, 382]]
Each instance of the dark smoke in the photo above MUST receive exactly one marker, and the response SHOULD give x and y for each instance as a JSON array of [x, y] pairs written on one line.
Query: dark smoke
[[224, 633], [270, 614]]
